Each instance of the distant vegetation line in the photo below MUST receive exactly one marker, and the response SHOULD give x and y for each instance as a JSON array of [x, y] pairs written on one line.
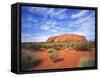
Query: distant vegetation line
[[84, 45]]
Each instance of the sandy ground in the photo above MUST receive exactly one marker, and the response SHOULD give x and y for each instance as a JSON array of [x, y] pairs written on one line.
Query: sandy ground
[[70, 59]]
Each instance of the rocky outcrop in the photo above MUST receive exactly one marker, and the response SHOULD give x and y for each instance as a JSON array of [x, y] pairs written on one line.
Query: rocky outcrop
[[67, 38]]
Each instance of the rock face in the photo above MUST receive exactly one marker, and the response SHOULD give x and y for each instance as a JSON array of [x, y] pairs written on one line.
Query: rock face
[[67, 38]]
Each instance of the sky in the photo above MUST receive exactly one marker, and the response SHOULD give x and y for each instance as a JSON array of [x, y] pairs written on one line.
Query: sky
[[40, 23]]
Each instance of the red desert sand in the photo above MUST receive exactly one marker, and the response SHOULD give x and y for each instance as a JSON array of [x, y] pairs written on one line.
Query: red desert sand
[[69, 59]]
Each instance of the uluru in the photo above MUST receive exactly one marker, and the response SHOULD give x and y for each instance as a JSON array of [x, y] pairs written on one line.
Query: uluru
[[67, 38]]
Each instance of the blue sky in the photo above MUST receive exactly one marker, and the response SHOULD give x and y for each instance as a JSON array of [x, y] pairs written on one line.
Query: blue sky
[[40, 23]]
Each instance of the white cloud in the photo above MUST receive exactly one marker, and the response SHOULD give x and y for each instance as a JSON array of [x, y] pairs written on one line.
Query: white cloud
[[30, 37], [37, 9], [60, 13], [85, 26], [48, 25], [79, 14], [53, 30], [45, 27]]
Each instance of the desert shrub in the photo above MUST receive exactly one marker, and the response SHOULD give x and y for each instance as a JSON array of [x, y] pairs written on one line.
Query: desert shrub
[[51, 50], [26, 46], [53, 54], [92, 44], [82, 46], [58, 48], [29, 60], [87, 62], [36, 46], [32, 46], [46, 45], [67, 45]]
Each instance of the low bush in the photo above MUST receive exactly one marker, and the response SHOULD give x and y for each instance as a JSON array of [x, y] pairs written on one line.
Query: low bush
[[53, 54], [82, 46], [51, 50], [58, 48], [87, 62], [29, 60], [85, 45], [32, 46]]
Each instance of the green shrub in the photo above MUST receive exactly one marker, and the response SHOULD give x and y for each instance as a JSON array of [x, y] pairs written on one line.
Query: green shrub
[[53, 45], [92, 44], [58, 48], [46, 45], [53, 54], [26, 46], [82, 46], [29, 60], [32, 46], [51, 50], [87, 62]]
